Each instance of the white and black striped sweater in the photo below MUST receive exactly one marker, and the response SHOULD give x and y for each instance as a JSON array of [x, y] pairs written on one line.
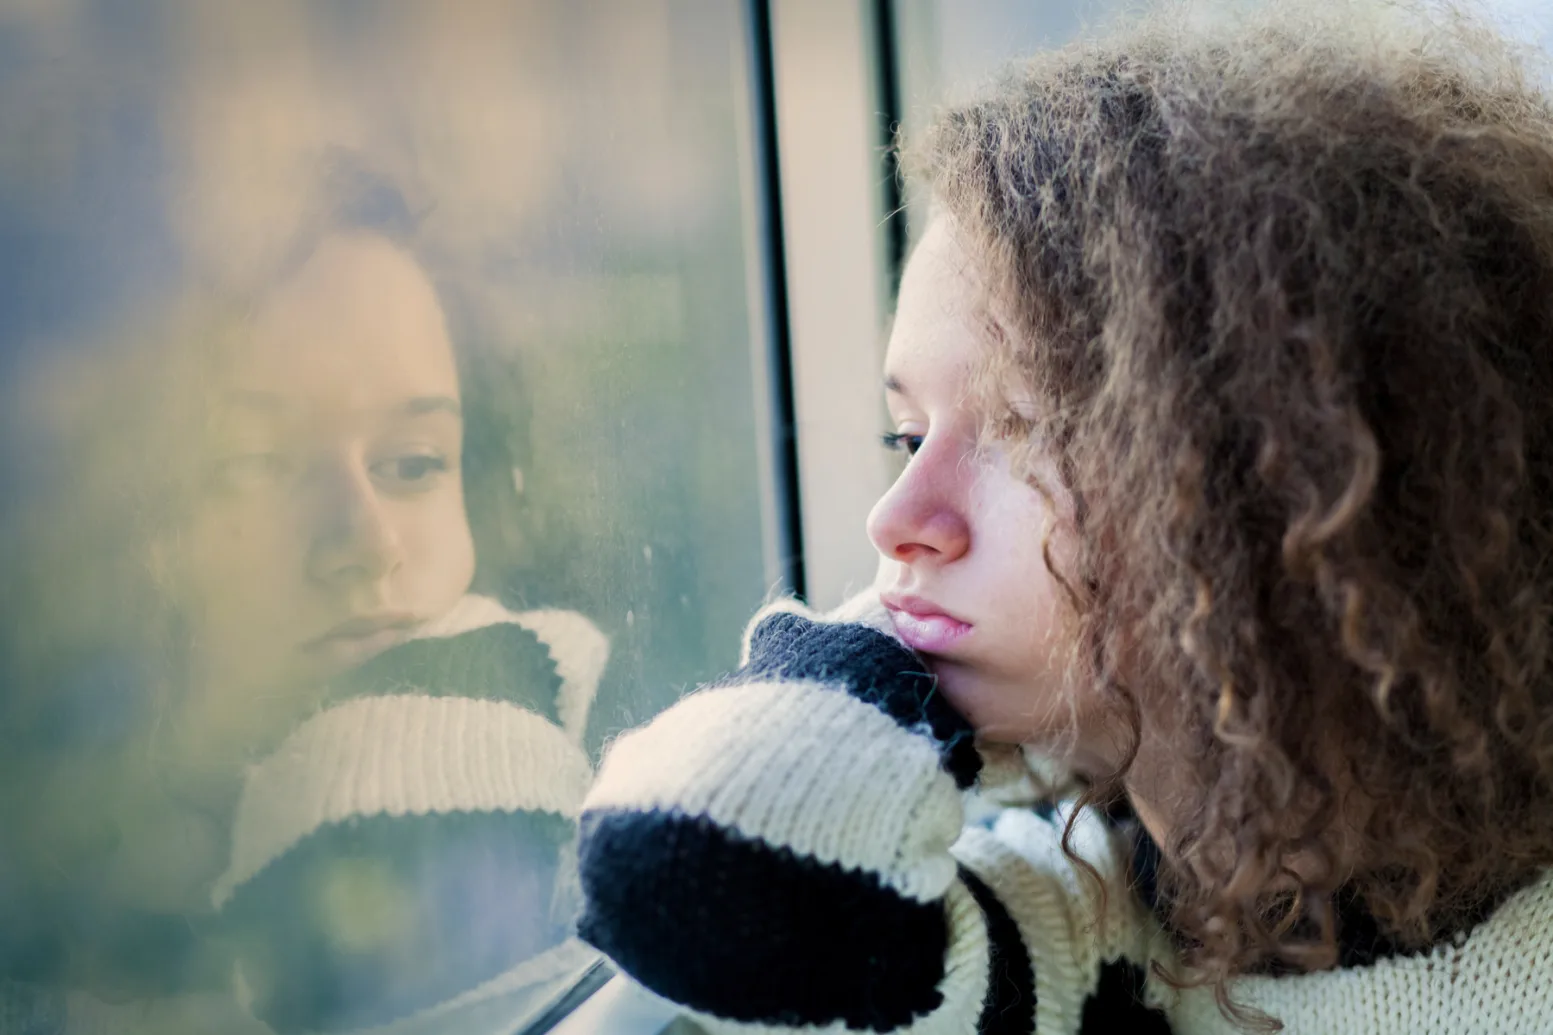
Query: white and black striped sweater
[[786, 851]]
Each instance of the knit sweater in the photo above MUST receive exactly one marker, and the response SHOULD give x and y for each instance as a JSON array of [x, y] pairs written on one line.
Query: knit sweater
[[403, 861], [787, 850]]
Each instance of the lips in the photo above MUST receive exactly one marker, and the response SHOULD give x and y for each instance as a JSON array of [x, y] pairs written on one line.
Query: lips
[[924, 626], [357, 639]]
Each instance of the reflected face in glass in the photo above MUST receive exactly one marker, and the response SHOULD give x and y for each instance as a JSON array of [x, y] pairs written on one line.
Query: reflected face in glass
[[331, 515], [961, 534]]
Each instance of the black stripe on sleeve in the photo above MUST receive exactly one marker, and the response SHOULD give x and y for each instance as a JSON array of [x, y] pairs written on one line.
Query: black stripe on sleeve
[[1117, 1004], [874, 668], [1009, 1008], [500, 662], [750, 931]]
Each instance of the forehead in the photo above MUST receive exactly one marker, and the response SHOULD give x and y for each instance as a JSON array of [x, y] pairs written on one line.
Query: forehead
[[938, 332], [358, 321]]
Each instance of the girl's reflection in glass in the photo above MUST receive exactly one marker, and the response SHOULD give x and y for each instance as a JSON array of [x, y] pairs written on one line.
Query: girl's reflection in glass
[[311, 475]]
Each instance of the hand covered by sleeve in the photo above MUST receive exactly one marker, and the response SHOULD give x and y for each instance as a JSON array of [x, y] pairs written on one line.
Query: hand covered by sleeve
[[412, 841], [773, 851], [786, 850]]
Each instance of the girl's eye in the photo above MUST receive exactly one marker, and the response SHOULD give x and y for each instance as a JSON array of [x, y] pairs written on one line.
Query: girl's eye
[[901, 442], [413, 472]]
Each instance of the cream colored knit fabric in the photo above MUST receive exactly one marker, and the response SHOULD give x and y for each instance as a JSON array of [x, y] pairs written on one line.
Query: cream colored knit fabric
[[1498, 980], [400, 756], [766, 793]]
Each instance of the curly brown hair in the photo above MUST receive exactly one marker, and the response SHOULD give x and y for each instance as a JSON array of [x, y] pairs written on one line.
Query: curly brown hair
[[1285, 292]]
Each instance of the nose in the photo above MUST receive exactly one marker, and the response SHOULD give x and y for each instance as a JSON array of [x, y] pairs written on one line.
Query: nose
[[353, 538], [922, 517]]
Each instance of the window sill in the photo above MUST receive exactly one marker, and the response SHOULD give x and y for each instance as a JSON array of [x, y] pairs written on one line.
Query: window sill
[[622, 1007]]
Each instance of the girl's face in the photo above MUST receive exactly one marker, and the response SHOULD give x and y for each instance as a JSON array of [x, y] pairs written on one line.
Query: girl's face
[[330, 518], [961, 534]]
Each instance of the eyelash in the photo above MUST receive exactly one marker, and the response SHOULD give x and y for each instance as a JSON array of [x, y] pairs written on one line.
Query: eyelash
[[433, 467], [901, 443]]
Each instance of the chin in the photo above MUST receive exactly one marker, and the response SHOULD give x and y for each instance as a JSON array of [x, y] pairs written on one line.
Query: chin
[[970, 695], [998, 710]]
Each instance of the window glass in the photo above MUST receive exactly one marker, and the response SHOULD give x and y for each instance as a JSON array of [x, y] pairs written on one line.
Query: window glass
[[945, 50], [388, 426], [1530, 22]]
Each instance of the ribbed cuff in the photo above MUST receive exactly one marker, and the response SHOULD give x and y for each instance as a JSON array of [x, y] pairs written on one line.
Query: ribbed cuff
[[401, 755]]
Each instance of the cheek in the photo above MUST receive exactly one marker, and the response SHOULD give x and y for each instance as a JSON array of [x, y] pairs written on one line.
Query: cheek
[[240, 556], [439, 551], [1015, 687], [1017, 528], [1035, 620]]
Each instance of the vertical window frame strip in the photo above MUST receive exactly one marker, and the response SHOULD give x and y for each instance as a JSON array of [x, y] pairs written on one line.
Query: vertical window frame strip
[[838, 280], [887, 67], [771, 342]]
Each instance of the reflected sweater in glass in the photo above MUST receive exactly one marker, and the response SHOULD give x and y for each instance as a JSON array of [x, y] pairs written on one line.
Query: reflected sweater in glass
[[402, 862]]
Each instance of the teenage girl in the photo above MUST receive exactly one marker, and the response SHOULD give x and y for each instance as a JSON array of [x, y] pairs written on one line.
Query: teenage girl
[[1224, 371]]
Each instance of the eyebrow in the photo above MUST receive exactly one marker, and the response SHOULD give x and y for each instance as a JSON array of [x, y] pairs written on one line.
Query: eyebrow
[[431, 404], [892, 384]]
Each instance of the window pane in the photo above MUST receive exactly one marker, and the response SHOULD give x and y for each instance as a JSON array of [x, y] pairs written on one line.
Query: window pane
[[389, 427], [945, 50]]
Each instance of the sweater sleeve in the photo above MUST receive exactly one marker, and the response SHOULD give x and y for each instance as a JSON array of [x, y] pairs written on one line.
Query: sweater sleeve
[[408, 849], [783, 851]]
